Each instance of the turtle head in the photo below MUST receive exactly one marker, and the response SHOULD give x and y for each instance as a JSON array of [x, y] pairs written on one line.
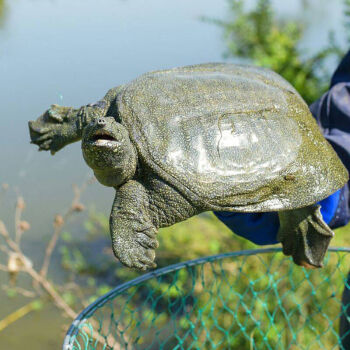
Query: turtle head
[[108, 151]]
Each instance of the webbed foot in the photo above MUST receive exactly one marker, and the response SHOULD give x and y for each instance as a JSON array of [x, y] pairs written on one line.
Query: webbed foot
[[304, 235], [54, 129], [134, 244]]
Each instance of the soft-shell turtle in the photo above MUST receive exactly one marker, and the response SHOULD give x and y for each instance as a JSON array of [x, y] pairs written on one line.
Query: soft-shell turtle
[[222, 137]]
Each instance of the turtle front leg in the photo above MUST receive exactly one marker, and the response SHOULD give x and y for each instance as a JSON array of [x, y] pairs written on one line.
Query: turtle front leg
[[132, 229], [139, 210], [60, 126], [304, 235]]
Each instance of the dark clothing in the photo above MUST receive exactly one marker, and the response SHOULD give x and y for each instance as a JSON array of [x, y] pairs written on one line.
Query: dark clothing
[[332, 113], [344, 327]]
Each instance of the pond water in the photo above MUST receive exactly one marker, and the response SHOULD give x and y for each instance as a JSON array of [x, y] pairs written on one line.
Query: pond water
[[71, 53]]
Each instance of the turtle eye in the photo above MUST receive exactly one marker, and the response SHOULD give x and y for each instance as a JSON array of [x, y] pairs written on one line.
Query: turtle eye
[[99, 104]]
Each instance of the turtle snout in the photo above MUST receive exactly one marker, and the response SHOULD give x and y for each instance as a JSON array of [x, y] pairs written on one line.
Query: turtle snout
[[101, 121]]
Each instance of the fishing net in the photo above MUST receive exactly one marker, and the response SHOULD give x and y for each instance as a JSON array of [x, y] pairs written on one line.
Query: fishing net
[[256, 299]]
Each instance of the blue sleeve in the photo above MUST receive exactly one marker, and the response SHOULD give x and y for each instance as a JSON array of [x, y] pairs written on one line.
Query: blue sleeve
[[259, 228], [262, 228]]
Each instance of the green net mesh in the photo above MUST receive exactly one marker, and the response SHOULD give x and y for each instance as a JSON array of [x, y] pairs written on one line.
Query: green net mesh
[[245, 300]]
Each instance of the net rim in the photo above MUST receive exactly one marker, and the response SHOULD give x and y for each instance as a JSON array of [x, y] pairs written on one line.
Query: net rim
[[88, 311]]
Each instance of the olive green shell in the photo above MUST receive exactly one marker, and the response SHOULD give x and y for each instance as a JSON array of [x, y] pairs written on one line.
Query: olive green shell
[[230, 137]]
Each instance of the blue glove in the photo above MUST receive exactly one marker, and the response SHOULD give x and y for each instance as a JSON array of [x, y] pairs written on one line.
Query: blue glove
[[262, 228]]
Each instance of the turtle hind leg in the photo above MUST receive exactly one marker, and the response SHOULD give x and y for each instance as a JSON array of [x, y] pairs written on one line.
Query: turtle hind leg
[[304, 235]]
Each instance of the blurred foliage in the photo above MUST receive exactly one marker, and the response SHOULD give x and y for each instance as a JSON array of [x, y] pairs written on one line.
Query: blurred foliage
[[347, 19], [2, 12], [259, 36]]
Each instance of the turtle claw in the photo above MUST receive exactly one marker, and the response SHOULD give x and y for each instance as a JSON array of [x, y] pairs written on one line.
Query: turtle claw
[[146, 241], [36, 128], [40, 133], [135, 252], [54, 129], [149, 262], [55, 113], [139, 266], [304, 235], [45, 146], [42, 138]]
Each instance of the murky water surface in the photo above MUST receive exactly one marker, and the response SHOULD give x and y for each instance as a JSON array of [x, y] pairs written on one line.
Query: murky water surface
[[71, 53]]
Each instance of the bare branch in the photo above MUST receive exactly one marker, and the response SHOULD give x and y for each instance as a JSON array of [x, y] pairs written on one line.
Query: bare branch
[[3, 229], [22, 291], [10, 242], [49, 250], [20, 262], [20, 205], [59, 222], [27, 266], [57, 299]]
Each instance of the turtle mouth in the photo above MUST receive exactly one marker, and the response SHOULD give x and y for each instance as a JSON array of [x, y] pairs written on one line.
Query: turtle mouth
[[103, 138]]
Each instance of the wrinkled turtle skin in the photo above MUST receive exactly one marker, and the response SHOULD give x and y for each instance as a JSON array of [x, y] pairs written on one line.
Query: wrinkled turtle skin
[[178, 142]]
